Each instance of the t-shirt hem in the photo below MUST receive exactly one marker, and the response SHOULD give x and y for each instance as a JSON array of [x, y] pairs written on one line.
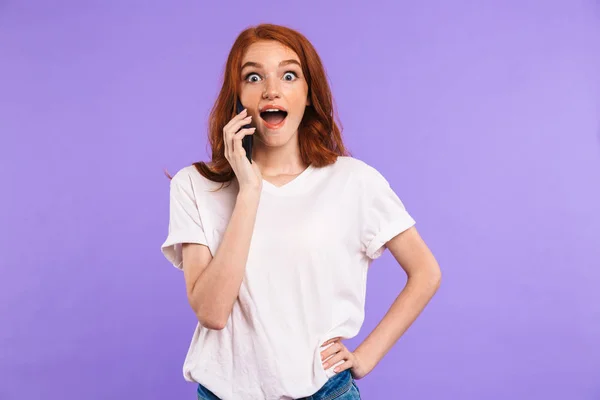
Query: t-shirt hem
[[397, 226], [171, 248]]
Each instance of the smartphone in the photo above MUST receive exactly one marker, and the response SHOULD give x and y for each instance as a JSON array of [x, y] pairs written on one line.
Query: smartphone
[[247, 140]]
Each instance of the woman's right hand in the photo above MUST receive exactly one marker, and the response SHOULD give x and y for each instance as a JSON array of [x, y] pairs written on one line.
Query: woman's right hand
[[248, 174]]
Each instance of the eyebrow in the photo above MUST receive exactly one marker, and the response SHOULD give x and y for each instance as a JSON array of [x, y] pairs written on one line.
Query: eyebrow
[[258, 65]]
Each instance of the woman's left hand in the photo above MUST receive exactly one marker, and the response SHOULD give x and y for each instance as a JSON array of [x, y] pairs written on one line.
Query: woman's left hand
[[338, 352]]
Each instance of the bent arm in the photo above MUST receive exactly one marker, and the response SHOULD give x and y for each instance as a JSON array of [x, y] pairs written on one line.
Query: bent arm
[[213, 283], [424, 277]]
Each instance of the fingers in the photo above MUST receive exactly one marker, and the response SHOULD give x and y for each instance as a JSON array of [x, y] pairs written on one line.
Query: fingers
[[236, 123], [237, 140], [334, 355], [335, 339], [343, 366], [230, 130], [235, 119], [334, 348]]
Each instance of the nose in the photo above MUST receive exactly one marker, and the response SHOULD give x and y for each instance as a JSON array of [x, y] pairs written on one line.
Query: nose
[[271, 88]]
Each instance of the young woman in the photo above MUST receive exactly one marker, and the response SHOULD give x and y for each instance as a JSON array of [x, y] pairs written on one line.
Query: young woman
[[275, 252]]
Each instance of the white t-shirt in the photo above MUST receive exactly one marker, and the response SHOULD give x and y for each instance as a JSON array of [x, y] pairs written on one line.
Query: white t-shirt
[[305, 279]]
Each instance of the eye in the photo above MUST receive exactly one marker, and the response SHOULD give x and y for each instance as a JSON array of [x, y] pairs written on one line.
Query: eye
[[288, 73], [251, 74]]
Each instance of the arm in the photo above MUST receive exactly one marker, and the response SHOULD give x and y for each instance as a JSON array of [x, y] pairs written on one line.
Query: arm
[[424, 276], [213, 284]]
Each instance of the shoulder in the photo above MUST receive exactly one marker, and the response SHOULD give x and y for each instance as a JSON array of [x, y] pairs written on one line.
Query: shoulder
[[189, 178], [358, 169], [364, 179], [186, 173], [208, 196]]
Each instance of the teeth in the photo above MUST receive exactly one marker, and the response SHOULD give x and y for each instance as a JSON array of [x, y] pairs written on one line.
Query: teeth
[[272, 110]]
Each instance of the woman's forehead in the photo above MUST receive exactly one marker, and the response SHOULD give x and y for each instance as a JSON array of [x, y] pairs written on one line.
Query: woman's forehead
[[269, 52]]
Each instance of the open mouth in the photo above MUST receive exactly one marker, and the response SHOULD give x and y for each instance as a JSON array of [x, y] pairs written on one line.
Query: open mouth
[[273, 119]]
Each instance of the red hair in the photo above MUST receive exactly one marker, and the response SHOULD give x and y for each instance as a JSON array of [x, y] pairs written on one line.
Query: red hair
[[319, 136]]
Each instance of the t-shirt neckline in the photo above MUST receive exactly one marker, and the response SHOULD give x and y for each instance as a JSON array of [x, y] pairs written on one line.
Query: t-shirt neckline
[[289, 187]]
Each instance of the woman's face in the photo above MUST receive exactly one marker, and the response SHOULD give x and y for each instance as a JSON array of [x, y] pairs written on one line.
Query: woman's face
[[271, 78]]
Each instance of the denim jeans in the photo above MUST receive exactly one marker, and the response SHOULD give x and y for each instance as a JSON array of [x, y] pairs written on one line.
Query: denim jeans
[[339, 387]]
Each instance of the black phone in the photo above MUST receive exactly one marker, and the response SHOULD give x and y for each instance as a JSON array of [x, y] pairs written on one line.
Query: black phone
[[247, 140]]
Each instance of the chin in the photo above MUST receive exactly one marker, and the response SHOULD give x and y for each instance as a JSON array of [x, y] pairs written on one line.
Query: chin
[[276, 138]]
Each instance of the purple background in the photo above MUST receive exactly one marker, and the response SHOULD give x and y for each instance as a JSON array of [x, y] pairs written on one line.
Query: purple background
[[484, 116]]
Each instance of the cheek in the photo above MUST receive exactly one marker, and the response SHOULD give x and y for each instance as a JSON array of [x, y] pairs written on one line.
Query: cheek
[[300, 110], [298, 103], [250, 95]]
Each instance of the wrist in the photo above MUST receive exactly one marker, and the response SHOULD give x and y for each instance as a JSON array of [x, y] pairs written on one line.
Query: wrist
[[366, 360], [249, 194]]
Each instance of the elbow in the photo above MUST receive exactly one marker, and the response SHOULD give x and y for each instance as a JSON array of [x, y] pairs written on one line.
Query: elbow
[[215, 325], [429, 278], [207, 313], [437, 281], [436, 278], [210, 320]]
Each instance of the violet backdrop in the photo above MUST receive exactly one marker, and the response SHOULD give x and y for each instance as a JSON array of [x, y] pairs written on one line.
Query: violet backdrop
[[484, 117]]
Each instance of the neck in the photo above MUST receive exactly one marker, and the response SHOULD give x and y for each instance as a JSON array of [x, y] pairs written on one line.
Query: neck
[[283, 160]]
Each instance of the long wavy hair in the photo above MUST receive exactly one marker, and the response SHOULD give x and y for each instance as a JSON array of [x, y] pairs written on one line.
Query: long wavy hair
[[319, 136]]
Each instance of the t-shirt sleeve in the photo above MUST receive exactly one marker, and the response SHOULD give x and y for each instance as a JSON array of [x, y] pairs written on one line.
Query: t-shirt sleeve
[[384, 215], [185, 225]]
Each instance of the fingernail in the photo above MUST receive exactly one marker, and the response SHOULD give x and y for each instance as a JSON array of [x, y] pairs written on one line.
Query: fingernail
[[325, 365]]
